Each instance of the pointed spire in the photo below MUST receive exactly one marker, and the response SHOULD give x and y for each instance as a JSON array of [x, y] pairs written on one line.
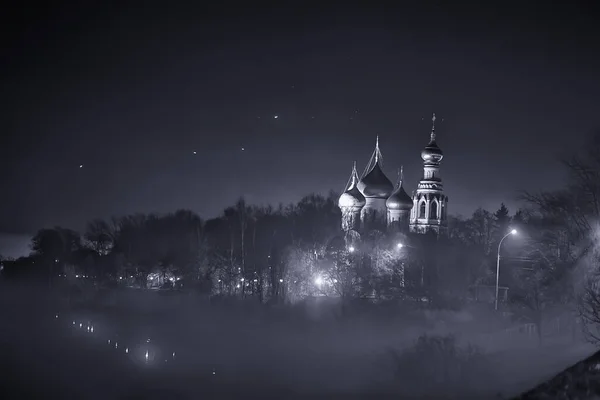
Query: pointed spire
[[354, 174], [433, 127], [400, 176], [377, 150]]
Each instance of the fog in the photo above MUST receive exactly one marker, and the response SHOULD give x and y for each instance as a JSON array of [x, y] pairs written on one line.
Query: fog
[[145, 344]]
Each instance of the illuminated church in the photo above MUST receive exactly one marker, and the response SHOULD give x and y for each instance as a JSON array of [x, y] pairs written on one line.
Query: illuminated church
[[372, 202]]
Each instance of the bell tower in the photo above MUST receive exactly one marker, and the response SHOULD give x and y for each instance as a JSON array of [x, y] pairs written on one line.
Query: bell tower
[[430, 204]]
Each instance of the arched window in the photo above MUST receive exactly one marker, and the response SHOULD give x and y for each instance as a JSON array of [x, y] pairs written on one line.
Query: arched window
[[434, 210], [422, 210]]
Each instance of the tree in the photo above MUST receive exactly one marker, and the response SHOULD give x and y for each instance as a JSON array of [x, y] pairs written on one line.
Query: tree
[[567, 225], [55, 248], [100, 236], [589, 310], [503, 220]]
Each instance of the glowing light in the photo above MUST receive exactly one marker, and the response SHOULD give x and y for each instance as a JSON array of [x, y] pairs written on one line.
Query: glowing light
[[80, 165], [319, 281], [400, 245], [242, 280], [237, 286], [92, 329], [56, 316], [81, 325], [335, 281], [73, 322], [276, 116], [513, 232], [108, 341], [146, 355], [195, 152], [351, 249], [148, 341], [281, 281], [173, 354], [126, 350]]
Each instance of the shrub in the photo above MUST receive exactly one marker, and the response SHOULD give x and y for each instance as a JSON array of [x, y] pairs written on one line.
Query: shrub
[[437, 364]]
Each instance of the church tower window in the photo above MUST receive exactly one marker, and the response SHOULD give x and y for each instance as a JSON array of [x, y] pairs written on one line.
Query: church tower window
[[422, 210], [434, 210]]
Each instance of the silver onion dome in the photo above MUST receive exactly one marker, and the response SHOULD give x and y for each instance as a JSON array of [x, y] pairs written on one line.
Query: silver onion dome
[[399, 200], [432, 153], [374, 183], [352, 197]]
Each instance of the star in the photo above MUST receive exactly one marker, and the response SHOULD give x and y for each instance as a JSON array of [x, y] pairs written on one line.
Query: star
[[243, 149], [276, 116], [80, 165], [195, 152]]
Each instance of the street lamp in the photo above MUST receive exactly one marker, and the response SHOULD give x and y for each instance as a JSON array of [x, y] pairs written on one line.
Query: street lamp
[[399, 245], [351, 249], [512, 232]]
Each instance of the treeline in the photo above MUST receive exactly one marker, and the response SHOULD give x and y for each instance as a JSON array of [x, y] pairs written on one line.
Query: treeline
[[284, 253]]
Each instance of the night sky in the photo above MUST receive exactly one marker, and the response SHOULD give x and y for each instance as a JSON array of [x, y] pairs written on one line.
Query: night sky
[[131, 92]]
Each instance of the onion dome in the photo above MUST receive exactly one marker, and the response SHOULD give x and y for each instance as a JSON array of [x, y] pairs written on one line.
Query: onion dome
[[432, 153], [374, 183], [352, 197], [399, 200]]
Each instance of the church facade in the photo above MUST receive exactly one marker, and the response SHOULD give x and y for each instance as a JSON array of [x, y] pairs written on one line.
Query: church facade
[[371, 201]]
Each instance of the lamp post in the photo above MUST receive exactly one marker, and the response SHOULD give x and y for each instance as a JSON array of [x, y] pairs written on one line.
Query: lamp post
[[512, 232]]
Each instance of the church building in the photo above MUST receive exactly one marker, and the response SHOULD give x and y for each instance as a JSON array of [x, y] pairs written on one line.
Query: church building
[[371, 201]]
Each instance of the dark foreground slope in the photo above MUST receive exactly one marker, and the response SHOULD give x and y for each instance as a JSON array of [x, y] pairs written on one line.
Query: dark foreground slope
[[580, 381]]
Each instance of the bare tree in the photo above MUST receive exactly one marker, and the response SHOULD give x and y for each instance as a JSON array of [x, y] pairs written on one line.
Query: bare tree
[[565, 240]]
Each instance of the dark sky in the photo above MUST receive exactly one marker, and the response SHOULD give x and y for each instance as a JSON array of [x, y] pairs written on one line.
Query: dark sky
[[131, 92]]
